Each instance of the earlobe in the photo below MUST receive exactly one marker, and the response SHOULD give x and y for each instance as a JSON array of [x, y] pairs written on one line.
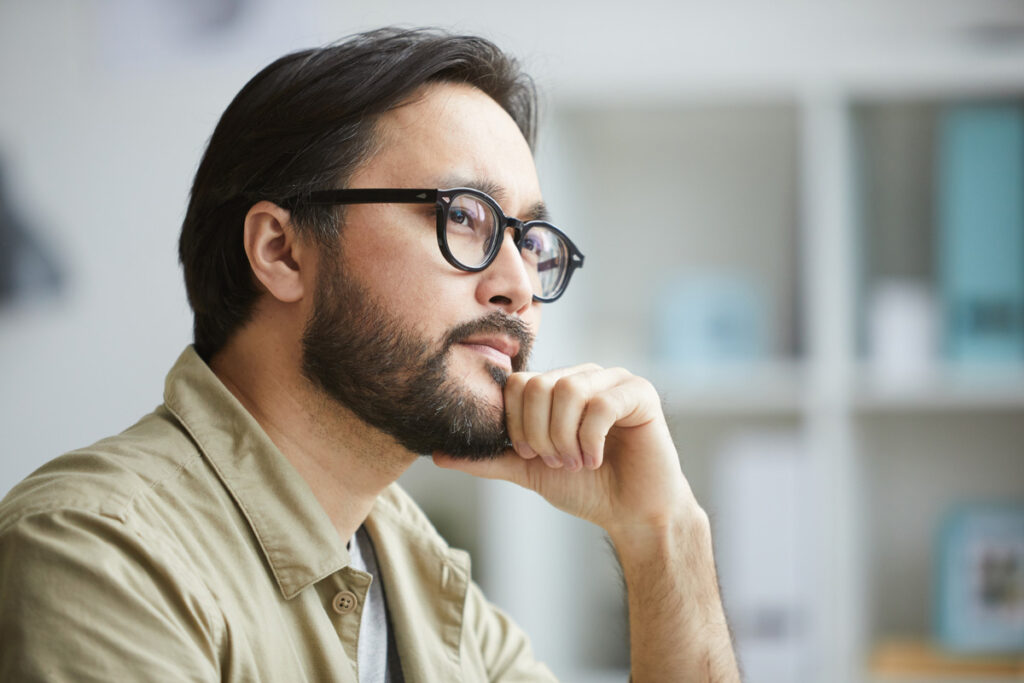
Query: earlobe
[[274, 253]]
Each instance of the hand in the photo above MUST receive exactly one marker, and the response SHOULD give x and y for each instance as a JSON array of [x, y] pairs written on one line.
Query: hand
[[594, 443]]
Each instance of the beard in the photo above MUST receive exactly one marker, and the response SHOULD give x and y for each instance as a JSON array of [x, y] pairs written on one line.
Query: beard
[[397, 381]]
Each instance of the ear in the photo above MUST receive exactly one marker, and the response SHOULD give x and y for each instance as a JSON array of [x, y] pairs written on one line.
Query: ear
[[276, 256]]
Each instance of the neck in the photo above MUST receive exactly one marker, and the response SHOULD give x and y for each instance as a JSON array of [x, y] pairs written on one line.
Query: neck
[[346, 462]]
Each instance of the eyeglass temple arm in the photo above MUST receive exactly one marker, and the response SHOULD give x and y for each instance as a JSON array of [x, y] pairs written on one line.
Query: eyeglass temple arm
[[364, 196]]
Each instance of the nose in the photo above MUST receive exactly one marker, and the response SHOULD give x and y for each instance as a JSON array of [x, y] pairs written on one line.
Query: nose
[[505, 283]]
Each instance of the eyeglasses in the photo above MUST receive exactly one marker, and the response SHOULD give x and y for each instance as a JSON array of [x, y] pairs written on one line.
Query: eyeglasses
[[470, 230]]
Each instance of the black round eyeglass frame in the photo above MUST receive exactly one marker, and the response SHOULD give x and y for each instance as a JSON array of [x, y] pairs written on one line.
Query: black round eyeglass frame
[[443, 200]]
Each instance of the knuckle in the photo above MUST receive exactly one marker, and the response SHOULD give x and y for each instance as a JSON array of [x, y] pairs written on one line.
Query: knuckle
[[538, 386], [570, 385], [646, 387], [603, 403], [516, 381]]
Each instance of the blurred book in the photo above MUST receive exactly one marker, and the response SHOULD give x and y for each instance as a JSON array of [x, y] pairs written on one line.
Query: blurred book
[[759, 505], [981, 232], [710, 320], [901, 332]]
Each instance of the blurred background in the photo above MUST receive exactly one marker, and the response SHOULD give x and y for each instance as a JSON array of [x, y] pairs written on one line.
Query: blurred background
[[803, 221]]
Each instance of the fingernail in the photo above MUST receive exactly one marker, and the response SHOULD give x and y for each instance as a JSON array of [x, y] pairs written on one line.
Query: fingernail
[[524, 450], [572, 464], [588, 461], [553, 463]]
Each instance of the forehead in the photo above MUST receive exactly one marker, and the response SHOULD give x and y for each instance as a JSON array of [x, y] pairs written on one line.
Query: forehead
[[447, 131]]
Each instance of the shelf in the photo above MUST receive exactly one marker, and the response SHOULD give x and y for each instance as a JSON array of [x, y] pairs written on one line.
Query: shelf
[[911, 659], [780, 389], [947, 390], [769, 389]]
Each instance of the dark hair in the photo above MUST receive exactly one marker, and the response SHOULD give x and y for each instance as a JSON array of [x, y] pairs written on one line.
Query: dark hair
[[305, 123]]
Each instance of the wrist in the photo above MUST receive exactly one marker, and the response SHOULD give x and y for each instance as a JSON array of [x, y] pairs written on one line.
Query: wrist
[[676, 618], [681, 527], [682, 539], [676, 553]]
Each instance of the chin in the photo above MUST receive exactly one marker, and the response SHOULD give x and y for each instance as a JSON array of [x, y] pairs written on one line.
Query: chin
[[492, 394]]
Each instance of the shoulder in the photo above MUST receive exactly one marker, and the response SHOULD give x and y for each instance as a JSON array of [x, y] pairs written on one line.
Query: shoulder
[[120, 503], [86, 597], [109, 477], [89, 568]]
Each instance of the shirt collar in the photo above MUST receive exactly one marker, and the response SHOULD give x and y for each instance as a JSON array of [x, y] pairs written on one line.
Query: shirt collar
[[296, 536]]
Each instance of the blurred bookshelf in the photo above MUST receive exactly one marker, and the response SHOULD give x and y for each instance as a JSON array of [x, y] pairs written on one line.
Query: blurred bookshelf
[[694, 208], [943, 391], [801, 204], [761, 389], [748, 248], [939, 408]]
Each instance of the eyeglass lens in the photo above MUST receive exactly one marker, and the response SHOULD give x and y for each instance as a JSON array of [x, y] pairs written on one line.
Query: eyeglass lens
[[472, 228]]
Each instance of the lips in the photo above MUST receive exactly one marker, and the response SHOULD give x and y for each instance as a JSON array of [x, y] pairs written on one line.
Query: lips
[[504, 340], [500, 348]]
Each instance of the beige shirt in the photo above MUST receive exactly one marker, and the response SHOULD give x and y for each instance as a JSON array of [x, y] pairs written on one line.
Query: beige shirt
[[187, 548]]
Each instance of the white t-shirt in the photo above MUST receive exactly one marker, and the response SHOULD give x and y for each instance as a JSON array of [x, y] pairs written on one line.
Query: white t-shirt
[[377, 656]]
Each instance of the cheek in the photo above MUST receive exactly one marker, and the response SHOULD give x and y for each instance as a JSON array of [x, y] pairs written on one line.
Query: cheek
[[413, 281], [386, 256]]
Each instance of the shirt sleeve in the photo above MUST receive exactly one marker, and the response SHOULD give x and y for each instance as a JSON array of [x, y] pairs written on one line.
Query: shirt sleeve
[[504, 646], [83, 597]]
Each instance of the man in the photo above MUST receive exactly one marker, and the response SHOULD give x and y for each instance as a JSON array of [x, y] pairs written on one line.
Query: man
[[250, 528]]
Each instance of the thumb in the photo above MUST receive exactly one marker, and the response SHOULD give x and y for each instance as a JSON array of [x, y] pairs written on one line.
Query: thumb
[[507, 466]]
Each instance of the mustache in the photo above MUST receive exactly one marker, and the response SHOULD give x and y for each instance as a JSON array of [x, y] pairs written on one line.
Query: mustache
[[499, 323]]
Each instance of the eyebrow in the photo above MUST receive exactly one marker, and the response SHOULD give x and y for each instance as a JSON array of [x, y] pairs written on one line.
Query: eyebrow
[[536, 212]]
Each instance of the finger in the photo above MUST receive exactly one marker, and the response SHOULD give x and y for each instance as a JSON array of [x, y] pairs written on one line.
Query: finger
[[619, 404], [508, 466], [575, 369], [595, 424], [515, 385], [527, 402], [537, 417], [570, 397]]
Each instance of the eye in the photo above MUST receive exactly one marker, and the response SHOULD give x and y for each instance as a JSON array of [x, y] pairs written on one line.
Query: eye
[[467, 216], [532, 244]]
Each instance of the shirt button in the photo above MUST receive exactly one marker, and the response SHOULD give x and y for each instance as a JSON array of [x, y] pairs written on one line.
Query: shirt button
[[344, 602]]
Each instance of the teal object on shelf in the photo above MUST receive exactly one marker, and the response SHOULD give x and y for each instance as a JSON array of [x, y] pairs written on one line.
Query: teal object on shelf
[[981, 232], [979, 591], [708, 320]]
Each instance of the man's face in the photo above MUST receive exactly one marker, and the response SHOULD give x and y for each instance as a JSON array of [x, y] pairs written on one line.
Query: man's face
[[399, 336]]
